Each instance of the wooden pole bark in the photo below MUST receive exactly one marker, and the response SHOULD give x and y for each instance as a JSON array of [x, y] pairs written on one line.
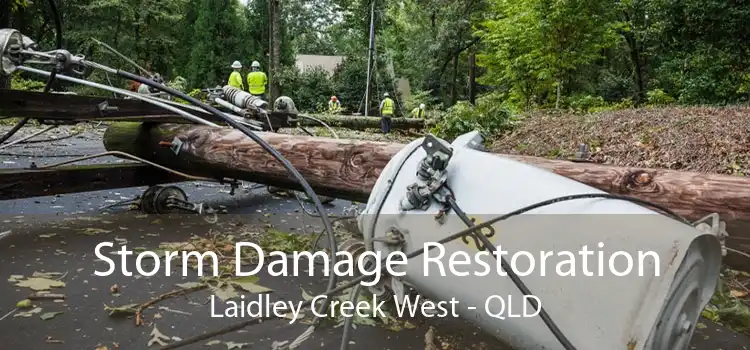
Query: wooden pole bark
[[362, 123]]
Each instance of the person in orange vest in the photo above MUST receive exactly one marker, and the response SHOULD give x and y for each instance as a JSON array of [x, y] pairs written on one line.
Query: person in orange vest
[[334, 105]]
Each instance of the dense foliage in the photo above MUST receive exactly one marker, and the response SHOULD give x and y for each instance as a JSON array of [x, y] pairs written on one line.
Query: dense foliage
[[529, 54]]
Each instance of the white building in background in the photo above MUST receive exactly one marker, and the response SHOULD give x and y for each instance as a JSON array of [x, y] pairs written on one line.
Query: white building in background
[[327, 63]]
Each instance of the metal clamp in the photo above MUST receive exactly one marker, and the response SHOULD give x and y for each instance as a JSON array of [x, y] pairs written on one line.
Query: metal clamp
[[104, 108], [432, 175], [176, 145], [712, 224]]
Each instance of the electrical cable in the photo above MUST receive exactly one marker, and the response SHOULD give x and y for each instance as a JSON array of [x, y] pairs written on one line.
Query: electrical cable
[[488, 246], [268, 148], [48, 86], [420, 251], [50, 80], [330, 129], [135, 95], [130, 156]]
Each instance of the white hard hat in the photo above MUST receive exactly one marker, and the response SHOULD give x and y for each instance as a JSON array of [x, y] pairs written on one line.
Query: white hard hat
[[236, 64], [255, 64], [421, 106], [385, 94]]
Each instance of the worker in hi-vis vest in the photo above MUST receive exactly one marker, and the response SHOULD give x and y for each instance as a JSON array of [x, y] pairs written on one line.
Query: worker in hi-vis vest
[[418, 112], [235, 79], [257, 80], [386, 113]]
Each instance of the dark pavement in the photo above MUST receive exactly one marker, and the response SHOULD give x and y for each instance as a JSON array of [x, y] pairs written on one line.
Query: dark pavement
[[46, 236]]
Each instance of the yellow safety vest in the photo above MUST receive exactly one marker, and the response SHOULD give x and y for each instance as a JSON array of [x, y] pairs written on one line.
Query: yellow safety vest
[[235, 80], [417, 113], [387, 107], [256, 82]]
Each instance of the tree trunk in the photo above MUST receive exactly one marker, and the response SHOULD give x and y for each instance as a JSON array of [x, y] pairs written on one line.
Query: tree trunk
[[275, 48], [454, 88], [362, 123], [5, 23], [635, 58], [472, 77]]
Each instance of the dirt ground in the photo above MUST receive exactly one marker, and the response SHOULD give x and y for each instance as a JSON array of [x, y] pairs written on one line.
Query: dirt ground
[[702, 139]]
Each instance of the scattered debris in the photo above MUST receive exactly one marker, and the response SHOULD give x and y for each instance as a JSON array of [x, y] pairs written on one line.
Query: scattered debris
[[29, 313], [50, 315], [46, 296], [727, 307], [40, 283], [24, 304], [248, 284], [50, 340], [91, 231], [8, 314], [232, 345], [125, 310], [164, 308], [15, 278], [141, 307], [646, 137], [157, 338]]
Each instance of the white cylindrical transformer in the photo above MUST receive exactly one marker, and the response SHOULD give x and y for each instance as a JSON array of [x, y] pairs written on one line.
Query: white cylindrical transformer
[[643, 285], [243, 99]]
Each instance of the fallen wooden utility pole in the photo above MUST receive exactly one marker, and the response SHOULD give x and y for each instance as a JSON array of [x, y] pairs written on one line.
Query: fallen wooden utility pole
[[348, 169], [362, 123]]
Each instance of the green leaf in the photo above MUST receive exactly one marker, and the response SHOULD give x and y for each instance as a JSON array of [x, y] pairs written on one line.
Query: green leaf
[[306, 296], [248, 284], [189, 285], [232, 345], [15, 278], [49, 315], [225, 292], [124, 310], [24, 304], [37, 284], [29, 313], [92, 231]]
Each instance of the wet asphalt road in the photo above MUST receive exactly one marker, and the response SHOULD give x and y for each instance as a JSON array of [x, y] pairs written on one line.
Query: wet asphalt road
[[45, 237]]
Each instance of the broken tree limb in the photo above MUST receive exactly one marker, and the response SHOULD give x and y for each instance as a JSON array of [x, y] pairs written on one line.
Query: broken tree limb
[[362, 123]]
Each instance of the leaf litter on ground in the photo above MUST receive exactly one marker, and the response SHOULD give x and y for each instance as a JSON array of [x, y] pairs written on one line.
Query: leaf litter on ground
[[50, 315], [40, 283], [157, 337]]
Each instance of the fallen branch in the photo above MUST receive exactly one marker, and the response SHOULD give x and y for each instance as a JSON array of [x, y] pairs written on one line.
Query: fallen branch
[[141, 307]]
